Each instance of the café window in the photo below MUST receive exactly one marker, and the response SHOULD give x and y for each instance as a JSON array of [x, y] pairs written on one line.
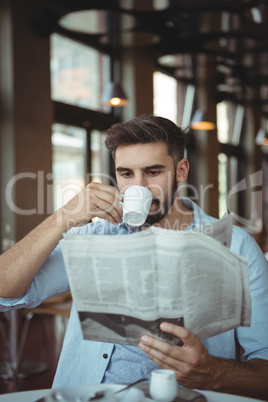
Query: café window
[[99, 159], [167, 91], [222, 122], [78, 73], [230, 118], [69, 146], [227, 180], [229, 122], [223, 185], [165, 96]]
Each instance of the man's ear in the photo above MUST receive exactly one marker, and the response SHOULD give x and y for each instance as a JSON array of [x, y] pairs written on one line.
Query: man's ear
[[182, 170]]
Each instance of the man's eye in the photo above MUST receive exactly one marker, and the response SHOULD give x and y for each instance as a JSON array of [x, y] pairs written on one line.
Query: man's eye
[[126, 174], [154, 172]]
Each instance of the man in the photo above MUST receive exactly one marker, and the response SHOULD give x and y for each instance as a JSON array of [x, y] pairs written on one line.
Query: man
[[147, 151]]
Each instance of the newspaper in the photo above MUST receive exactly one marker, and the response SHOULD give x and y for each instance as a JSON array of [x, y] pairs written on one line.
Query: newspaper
[[125, 286]]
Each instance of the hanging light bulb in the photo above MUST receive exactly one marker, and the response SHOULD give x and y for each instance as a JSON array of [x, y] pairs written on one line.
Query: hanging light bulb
[[201, 122], [114, 95], [262, 137]]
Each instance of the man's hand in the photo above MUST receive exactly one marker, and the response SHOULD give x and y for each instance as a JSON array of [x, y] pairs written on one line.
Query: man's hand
[[20, 264], [193, 365], [95, 200], [196, 368]]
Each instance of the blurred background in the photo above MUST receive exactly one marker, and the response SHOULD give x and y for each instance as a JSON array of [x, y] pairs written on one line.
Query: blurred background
[[189, 61]]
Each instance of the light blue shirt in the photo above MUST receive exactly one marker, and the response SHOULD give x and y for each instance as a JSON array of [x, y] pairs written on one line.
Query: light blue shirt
[[87, 362]]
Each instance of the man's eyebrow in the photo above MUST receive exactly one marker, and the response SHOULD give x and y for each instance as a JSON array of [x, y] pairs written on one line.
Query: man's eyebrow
[[122, 169], [156, 166]]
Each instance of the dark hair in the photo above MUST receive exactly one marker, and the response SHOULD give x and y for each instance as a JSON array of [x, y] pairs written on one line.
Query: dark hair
[[145, 129]]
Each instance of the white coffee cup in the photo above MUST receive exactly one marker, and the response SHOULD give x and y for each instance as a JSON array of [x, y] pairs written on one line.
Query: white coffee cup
[[163, 385], [136, 205]]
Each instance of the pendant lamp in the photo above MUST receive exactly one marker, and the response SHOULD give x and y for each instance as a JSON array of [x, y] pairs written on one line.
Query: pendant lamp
[[201, 122], [262, 137], [114, 95]]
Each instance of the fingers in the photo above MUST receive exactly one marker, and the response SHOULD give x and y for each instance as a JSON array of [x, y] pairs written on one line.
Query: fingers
[[192, 363], [105, 210], [104, 202], [163, 351], [168, 364], [166, 352], [95, 200], [186, 336]]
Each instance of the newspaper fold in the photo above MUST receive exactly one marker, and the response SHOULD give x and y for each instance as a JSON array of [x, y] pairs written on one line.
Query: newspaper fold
[[125, 286]]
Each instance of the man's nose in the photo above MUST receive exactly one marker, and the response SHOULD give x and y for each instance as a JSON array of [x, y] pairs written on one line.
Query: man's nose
[[141, 181]]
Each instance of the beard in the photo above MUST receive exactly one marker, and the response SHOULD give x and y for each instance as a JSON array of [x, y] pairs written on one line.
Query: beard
[[161, 210]]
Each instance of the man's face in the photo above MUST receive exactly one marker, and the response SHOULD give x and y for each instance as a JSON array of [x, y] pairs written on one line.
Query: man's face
[[151, 166]]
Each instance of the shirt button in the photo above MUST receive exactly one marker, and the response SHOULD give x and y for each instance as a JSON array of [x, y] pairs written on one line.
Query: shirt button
[[105, 356]]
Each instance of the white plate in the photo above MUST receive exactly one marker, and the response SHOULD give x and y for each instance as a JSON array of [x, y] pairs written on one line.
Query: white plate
[[83, 393]]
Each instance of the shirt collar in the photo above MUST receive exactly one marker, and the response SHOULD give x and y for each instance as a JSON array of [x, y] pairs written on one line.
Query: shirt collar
[[200, 217]]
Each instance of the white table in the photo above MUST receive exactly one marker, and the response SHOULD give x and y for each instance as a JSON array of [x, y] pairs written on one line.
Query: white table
[[32, 396], [218, 397], [25, 396]]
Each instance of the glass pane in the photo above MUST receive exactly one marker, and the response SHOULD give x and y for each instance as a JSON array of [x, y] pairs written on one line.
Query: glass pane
[[232, 183], [99, 161], [230, 118], [238, 123], [69, 162], [228, 179], [222, 122], [223, 184], [99, 158], [78, 73], [165, 96]]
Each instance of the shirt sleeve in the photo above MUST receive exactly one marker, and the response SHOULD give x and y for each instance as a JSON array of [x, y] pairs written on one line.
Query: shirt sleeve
[[51, 280], [254, 339]]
